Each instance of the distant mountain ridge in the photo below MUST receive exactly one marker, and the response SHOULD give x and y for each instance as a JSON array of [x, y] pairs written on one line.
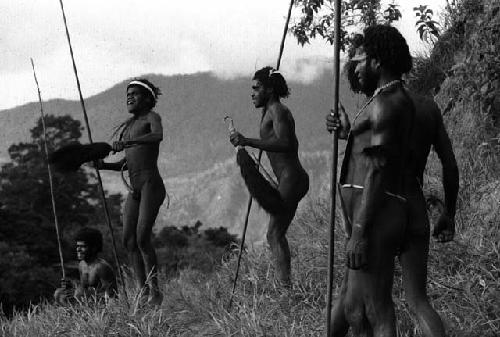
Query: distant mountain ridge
[[192, 108], [196, 159]]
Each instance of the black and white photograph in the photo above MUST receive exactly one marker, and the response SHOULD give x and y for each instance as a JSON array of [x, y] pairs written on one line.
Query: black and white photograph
[[288, 168]]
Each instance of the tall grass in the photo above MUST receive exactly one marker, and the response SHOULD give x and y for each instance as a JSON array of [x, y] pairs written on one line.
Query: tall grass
[[463, 286]]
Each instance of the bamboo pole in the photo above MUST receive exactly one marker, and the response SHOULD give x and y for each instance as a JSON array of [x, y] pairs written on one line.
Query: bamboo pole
[[89, 133], [51, 184], [333, 172]]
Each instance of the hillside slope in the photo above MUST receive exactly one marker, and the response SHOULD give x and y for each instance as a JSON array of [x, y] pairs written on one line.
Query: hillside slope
[[192, 108]]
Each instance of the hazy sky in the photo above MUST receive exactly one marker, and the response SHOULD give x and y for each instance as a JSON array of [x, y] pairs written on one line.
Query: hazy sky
[[118, 39]]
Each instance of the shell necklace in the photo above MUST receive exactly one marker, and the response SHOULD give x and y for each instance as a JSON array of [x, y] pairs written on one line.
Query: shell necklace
[[375, 94]]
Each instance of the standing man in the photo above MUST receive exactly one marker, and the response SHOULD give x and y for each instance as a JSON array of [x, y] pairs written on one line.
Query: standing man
[[429, 130], [140, 137], [372, 183], [278, 139], [96, 275]]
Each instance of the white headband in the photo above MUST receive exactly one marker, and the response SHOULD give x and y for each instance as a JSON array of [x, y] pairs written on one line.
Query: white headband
[[144, 85]]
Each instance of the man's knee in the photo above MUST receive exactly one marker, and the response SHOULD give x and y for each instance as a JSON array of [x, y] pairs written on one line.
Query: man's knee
[[354, 312], [378, 310]]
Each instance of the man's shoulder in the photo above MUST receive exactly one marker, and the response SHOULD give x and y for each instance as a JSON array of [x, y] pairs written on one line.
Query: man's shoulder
[[428, 103], [388, 106], [103, 264], [103, 268], [427, 110], [153, 115], [279, 110]]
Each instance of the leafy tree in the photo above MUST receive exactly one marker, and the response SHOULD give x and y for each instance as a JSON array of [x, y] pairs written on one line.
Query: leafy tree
[[189, 247], [317, 18], [427, 28], [27, 234]]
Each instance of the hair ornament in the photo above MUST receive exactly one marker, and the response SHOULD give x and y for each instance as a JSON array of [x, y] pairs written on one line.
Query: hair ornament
[[273, 71]]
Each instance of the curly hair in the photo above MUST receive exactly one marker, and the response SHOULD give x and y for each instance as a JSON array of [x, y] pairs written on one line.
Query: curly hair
[[272, 79], [386, 44], [91, 236]]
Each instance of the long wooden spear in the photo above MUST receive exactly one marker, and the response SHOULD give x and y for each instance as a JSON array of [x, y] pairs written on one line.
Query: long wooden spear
[[89, 132], [250, 200], [51, 184], [333, 173]]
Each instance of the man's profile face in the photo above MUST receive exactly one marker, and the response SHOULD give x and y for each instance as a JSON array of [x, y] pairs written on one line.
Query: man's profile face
[[137, 99], [259, 94], [365, 71]]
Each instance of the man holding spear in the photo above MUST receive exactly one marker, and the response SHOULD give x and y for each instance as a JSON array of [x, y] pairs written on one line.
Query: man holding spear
[[375, 169], [429, 130], [278, 140], [96, 275]]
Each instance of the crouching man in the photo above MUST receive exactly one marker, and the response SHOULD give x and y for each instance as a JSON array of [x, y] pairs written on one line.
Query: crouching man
[[96, 275]]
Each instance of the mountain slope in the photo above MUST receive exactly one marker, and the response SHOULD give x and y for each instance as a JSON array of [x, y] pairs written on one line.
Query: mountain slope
[[197, 161], [192, 108]]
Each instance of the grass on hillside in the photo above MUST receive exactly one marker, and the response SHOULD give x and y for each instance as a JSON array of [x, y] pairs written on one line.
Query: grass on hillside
[[463, 286]]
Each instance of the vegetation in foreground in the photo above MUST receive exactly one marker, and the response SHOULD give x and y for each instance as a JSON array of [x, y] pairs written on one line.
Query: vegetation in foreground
[[464, 282], [463, 286]]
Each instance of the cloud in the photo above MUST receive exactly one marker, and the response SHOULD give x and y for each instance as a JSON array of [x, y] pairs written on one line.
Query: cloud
[[118, 39]]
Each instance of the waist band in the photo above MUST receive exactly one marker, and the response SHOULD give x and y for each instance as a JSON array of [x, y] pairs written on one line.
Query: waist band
[[359, 187]]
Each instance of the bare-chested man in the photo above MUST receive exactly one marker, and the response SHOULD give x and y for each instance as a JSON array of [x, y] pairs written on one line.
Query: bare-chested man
[[96, 275], [140, 137], [429, 131], [278, 139], [372, 183]]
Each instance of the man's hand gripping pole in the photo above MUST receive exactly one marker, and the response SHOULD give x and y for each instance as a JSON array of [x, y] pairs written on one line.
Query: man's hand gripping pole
[[232, 129]]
